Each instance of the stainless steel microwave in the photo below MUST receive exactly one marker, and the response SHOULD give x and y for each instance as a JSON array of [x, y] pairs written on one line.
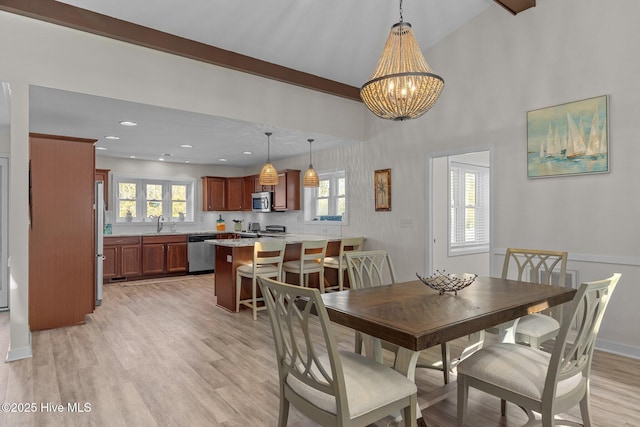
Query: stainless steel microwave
[[261, 202]]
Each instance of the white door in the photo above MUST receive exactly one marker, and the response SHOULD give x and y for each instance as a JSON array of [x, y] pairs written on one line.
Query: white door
[[4, 241]]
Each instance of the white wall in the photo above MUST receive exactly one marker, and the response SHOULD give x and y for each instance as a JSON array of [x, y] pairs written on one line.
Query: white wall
[[495, 68]]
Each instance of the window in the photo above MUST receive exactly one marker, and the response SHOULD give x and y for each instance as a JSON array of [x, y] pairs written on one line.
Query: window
[[327, 202], [140, 199], [468, 208]]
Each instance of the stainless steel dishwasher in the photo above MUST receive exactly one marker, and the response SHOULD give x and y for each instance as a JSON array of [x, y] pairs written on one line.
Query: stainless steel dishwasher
[[202, 256]]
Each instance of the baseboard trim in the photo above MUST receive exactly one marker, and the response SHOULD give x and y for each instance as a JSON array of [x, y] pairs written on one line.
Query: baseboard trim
[[19, 353], [619, 349]]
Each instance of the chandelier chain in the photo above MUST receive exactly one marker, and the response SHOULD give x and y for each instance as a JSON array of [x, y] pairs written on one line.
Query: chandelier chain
[[401, 20]]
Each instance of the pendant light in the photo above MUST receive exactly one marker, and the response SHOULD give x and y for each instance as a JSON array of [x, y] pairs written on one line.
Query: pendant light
[[310, 176], [268, 174], [402, 85]]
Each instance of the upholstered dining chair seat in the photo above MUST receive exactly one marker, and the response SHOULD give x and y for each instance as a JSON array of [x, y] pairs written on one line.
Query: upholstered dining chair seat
[[537, 325], [368, 384], [517, 368]]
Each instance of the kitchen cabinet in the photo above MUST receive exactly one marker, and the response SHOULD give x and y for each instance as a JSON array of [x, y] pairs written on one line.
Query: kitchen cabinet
[[286, 195], [122, 258], [164, 254], [213, 193], [103, 175], [234, 194], [62, 289]]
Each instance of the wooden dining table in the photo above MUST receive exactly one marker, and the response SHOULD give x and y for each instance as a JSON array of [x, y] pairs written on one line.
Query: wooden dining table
[[416, 317]]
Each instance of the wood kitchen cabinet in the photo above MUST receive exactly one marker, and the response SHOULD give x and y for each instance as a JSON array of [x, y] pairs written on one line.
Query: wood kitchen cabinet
[[164, 254], [234, 192], [286, 195], [62, 289], [122, 258], [103, 175], [213, 193]]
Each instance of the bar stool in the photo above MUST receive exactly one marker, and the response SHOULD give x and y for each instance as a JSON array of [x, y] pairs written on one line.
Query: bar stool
[[267, 262], [340, 262], [311, 260]]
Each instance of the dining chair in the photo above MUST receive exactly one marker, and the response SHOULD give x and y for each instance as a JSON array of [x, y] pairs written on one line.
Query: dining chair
[[339, 263], [331, 387], [368, 269], [537, 266], [547, 383], [268, 258], [312, 253]]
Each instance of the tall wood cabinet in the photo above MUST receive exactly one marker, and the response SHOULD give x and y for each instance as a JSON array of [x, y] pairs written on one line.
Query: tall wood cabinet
[[62, 230]]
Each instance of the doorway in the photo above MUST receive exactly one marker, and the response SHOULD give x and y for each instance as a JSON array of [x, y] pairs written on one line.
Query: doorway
[[4, 240], [443, 252]]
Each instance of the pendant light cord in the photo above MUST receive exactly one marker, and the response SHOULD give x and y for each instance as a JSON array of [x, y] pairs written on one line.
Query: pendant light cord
[[401, 20], [268, 146], [310, 141]]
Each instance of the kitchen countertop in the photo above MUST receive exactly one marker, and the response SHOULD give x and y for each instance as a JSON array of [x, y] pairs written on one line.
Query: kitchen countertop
[[288, 238], [171, 233]]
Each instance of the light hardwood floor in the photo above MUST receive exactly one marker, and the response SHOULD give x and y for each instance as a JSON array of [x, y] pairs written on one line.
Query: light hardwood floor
[[161, 354]]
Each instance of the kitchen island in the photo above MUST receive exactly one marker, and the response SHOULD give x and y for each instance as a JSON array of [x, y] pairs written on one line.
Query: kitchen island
[[231, 253]]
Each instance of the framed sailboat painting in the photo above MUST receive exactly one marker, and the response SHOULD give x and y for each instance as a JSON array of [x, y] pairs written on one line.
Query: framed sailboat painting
[[569, 139]]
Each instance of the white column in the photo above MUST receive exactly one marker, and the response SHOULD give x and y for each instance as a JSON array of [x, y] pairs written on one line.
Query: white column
[[20, 342]]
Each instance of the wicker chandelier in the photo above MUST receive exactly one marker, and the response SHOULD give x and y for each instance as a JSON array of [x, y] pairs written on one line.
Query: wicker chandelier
[[268, 174], [402, 85], [310, 176]]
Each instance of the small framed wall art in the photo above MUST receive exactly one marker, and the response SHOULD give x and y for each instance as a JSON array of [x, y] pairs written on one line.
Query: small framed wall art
[[382, 188], [568, 139]]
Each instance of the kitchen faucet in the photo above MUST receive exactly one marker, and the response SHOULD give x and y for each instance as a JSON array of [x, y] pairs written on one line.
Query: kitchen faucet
[[159, 224]]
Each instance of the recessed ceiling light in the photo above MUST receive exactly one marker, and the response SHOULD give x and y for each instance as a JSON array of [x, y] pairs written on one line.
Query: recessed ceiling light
[[111, 137], [186, 146], [101, 148], [222, 160], [132, 157], [247, 152], [187, 161], [128, 123], [167, 154], [161, 159]]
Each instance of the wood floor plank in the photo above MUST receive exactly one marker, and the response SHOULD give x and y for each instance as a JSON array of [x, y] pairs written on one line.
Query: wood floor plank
[[160, 353]]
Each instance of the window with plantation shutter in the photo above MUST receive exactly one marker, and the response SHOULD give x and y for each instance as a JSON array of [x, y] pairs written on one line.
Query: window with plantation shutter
[[468, 208]]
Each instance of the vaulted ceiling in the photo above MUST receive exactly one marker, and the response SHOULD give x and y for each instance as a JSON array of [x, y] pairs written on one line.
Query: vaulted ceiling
[[331, 46]]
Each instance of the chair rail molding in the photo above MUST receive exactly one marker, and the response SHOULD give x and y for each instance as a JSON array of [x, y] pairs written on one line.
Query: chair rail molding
[[592, 258]]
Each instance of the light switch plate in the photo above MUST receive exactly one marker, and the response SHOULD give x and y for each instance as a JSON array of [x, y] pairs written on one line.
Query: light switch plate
[[229, 258]]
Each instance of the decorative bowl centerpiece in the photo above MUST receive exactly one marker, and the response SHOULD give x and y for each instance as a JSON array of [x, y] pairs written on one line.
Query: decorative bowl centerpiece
[[442, 282]]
